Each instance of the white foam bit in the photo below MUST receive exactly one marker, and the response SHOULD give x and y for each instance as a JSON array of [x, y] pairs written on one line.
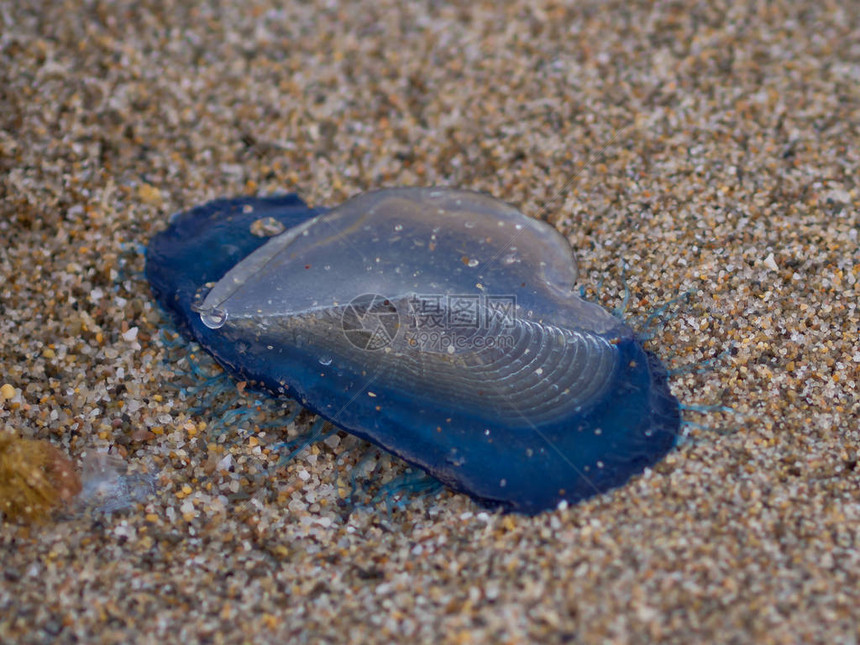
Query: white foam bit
[[106, 488]]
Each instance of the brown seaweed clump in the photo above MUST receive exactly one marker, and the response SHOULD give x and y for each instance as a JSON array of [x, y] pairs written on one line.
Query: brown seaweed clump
[[34, 478]]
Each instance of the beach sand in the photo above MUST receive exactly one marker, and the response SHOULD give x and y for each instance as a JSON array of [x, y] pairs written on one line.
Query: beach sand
[[713, 149]]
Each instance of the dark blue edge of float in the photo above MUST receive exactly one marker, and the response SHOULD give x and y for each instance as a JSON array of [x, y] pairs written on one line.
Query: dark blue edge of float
[[220, 235], [175, 281]]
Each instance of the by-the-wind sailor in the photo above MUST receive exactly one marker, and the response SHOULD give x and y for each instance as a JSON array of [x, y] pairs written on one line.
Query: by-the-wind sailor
[[439, 324]]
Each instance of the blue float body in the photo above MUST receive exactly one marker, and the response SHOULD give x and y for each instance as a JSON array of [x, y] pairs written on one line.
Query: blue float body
[[515, 466]]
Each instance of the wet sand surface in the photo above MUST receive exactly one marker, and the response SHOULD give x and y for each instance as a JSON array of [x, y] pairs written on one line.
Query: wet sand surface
[[713, 149]]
